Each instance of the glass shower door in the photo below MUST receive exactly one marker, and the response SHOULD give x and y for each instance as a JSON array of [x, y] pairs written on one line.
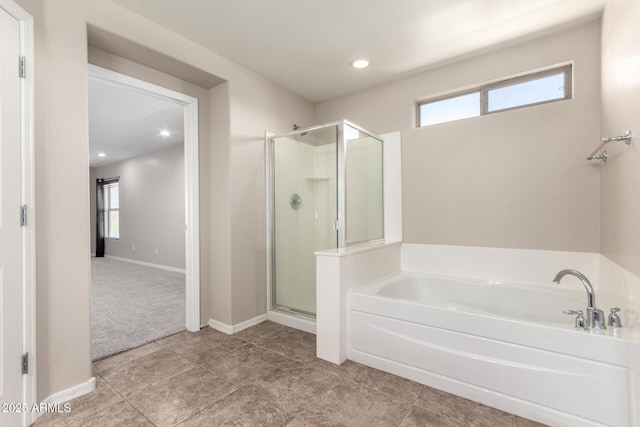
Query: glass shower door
[[363, 187], [305, 208]]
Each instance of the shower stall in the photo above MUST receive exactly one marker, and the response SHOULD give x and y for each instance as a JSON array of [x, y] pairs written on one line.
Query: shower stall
[[325, 192]]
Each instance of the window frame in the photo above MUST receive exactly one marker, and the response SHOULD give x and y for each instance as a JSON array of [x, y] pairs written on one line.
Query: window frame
[[566, 69], [108, 209]]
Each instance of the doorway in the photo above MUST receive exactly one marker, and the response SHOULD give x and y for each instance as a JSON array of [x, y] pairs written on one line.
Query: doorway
[[160, 254]]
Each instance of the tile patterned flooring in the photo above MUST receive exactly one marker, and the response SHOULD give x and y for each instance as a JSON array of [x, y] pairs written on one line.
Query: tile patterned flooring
[[266, 375]]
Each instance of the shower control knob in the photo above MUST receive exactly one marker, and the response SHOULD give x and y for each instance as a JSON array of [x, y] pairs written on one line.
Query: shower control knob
[[614, 319], [295, 201]]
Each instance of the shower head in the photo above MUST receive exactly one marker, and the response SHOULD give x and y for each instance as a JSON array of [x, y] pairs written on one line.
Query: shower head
[[296, 127]]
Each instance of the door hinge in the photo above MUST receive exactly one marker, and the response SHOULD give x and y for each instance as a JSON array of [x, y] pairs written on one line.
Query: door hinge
[[336, 225], [23, 215], [25, 363], [22, 68]]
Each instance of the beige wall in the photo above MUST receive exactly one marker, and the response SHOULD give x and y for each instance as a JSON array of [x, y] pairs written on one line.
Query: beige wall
[[219, 230], [620, 111], [247, 106], [152, 208], [255, 106], [515, 179]]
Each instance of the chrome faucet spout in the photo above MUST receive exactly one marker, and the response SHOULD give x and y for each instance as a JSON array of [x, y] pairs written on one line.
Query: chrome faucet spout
[[591, 296], [595, 317]]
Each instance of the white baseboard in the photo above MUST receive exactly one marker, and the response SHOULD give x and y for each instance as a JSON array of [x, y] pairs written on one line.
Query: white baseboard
[[232, 329], [148, 264], [65, 395], [70, 393], [248, 323], [222, 327]]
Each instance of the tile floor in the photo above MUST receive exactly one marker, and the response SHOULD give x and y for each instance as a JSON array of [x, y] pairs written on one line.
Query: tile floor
[[266, 375]]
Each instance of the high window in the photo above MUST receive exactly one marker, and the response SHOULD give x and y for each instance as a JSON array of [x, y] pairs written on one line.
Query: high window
[[531, 89], [112, 210]]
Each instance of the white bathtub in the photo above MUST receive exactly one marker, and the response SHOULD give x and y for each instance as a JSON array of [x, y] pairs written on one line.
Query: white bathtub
[[505, 345], [522, 302]]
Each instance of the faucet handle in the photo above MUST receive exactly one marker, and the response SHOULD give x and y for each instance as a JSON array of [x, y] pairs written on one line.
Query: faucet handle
[[614, 319], [580, 323]]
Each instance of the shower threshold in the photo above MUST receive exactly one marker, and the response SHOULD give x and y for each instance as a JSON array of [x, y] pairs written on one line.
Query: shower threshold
[[295, 311], [293, 318]]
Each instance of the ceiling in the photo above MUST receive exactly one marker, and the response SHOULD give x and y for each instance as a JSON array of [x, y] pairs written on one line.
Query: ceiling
[[306, 46], [125, 123]]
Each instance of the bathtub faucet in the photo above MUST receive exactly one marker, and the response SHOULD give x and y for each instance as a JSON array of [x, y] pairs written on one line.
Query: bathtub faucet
[[595, 317]]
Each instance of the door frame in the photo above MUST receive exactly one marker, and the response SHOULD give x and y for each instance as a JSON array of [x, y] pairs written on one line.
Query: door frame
[[191, 170], [27, 190]]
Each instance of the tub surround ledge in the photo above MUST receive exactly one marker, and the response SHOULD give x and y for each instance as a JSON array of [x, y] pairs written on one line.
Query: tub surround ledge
[[339, 271]]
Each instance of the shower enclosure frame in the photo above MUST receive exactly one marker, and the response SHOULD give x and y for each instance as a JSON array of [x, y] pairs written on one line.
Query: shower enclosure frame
[[341, 214]]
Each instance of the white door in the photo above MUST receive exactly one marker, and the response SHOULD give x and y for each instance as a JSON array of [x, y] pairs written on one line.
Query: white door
[[11, 321]]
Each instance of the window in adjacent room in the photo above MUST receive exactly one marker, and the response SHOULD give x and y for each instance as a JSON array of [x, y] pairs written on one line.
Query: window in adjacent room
[[112, 209], [531, 89]]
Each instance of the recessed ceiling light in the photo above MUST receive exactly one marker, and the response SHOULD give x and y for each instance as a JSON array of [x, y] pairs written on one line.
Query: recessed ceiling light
[[102, 155], [360, 63], [165, 133]]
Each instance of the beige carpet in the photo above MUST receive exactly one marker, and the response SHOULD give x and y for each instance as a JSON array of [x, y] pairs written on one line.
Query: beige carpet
[[132, 305]]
